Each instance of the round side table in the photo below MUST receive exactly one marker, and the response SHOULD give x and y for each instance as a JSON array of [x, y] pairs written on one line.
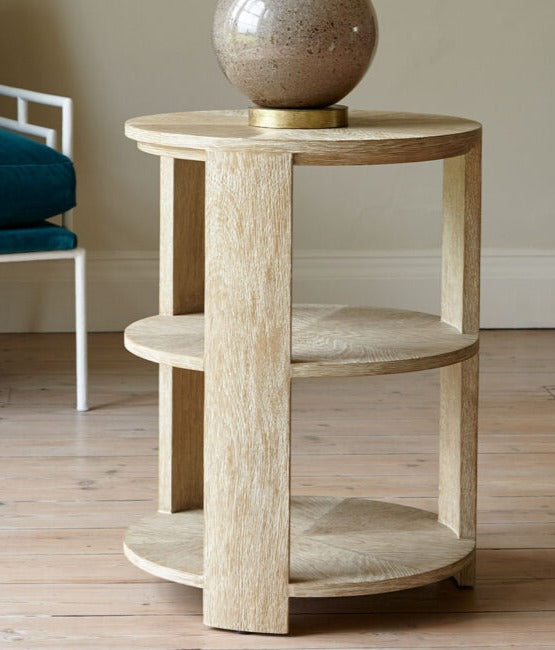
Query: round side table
[[229, 341]]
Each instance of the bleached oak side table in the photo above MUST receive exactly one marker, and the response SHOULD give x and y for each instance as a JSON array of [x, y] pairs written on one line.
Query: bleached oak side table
[[228, 342]]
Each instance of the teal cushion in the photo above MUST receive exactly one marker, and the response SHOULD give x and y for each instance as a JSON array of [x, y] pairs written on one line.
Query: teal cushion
[[36, 181], [43, 236]]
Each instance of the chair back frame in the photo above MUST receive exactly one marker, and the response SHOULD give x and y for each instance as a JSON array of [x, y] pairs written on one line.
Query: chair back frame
[[50, 136]]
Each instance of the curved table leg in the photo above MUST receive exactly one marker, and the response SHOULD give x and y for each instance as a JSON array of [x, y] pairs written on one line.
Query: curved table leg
[[247, 391], [459, 383], [181, 292]]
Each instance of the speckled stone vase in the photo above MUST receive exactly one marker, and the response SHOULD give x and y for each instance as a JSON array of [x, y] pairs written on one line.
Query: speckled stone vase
[[295, 53]]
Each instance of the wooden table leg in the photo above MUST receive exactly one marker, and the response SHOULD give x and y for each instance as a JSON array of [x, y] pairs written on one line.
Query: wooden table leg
[[458, 454], [459, 383], [181, 292], [247, 401]]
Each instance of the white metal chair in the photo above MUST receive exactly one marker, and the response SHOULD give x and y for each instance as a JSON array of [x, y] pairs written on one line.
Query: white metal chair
[[50, 136]]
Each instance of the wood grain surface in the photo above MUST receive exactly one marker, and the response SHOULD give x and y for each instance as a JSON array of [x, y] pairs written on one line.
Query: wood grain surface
[[182, 186], [460, 307], [462, 208], [250, 350], [247, 400], [339, 547], [328, 341], [371, 138]]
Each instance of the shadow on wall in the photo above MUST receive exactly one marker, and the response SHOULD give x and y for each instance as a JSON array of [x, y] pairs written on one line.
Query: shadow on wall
[[32, 55], [32, 50], [77, 48]]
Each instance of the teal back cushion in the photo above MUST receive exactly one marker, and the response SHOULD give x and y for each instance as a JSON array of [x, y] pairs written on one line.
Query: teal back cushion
[[36, 182]]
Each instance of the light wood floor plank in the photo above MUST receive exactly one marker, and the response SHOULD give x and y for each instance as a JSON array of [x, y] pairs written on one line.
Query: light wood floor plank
[[70, 483], [161, 598], [318, 632]]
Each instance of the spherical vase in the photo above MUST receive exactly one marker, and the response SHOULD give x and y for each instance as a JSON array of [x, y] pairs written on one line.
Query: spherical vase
[[295, 54]]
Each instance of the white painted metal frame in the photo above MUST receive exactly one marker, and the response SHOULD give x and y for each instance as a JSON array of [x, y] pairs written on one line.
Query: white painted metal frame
[[50, 136]]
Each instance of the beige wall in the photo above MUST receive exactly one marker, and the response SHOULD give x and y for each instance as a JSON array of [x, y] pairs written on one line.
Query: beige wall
[[491, 60]]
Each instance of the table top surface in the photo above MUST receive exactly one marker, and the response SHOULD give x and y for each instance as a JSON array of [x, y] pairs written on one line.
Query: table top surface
[[369, 134]]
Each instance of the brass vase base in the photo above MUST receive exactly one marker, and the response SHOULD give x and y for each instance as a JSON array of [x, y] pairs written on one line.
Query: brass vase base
[[331, 117]]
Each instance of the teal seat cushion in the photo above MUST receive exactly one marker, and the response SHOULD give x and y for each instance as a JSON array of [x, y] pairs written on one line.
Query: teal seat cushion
[[36, 181], [42, 236]]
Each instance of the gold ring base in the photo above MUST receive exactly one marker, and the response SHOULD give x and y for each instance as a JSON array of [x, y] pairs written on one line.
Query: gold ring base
[[331, 117]]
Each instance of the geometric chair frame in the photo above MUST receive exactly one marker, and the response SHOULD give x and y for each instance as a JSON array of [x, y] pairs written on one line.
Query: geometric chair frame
[[50, 136]]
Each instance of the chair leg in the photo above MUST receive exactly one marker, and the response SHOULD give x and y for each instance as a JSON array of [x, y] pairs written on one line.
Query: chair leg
[[81, 331]]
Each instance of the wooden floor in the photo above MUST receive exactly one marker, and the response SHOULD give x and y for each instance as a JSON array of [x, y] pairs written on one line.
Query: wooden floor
[[70, 483]]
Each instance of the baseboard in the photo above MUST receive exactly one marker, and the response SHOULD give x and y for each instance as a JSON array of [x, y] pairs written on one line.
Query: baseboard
[[518, 287], [38, 297]]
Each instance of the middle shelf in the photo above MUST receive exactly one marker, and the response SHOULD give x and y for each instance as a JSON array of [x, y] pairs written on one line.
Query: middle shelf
[[328, 341]]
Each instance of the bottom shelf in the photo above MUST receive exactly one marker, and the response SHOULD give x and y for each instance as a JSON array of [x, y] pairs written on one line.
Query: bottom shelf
[[339, 547]]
